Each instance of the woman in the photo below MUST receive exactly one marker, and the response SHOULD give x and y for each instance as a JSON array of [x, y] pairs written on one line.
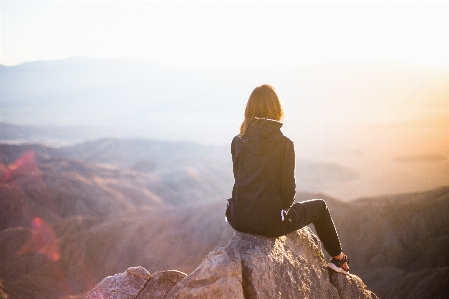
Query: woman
[[264, 171]]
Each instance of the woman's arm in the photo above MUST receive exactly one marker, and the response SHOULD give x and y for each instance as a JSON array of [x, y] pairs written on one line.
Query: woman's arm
[[288, 183]]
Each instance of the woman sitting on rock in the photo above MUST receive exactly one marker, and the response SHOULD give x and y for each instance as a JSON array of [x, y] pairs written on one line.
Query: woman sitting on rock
[[264, 189]]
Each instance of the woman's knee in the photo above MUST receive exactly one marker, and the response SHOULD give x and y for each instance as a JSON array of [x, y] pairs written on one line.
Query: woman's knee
[[318, 203], [324, 204], [316, 208]]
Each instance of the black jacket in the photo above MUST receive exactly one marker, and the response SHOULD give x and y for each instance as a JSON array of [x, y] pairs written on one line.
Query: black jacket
[[264, 171]]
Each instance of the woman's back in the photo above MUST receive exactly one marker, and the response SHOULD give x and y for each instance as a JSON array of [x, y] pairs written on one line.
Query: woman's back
[[263, 163]]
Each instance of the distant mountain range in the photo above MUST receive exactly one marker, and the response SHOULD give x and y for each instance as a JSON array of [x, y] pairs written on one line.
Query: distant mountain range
[[141, 99], [71, 216], [360, 129], [132, 97], [178, 173], [174, 163]]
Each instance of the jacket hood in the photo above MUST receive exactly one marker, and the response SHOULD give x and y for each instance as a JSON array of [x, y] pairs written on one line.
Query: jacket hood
[[261, 135]]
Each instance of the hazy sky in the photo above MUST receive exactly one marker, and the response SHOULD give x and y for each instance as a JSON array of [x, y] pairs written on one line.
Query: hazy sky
[[226, 34]]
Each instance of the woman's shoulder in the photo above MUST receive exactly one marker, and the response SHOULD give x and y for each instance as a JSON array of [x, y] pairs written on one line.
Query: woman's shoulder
[[287, 140], [234, 142], [235, 139]]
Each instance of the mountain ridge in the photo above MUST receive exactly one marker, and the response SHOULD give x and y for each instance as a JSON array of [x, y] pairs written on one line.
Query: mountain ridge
[[103, 219]]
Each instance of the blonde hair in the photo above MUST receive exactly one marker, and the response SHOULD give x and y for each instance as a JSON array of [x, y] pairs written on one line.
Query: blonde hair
[[262, 103]]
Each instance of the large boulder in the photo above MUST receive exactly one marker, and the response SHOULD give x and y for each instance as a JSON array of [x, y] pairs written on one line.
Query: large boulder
[[136, 283], [252, 266], [160, 283], [220, 275], [350, 286], [125, 285]]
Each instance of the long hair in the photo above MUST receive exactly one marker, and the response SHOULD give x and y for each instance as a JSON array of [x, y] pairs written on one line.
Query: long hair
[[262, 103]]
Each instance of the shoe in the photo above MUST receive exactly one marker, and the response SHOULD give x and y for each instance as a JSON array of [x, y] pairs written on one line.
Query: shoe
[[340, 266]]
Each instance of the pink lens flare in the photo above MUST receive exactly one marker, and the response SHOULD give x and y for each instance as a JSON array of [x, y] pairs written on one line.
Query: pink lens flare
[[43, 240], [25, 164]]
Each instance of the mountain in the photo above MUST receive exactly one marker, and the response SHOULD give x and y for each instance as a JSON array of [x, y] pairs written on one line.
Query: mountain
[[398, 244], [178, 172], [131, 97], [71, 216], [141, 99], [54, 136]]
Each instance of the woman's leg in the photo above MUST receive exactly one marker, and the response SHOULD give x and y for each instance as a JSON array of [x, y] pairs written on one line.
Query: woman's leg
[[315, 211]]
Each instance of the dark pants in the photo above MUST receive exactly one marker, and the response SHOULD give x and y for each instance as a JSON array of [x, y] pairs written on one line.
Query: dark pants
[[315, 211]]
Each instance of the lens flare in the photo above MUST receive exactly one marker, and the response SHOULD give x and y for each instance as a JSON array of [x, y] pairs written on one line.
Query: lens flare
[[43, 240], [26, 164]]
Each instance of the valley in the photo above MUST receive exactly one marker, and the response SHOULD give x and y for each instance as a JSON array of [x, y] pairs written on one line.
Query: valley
[[73, 215]]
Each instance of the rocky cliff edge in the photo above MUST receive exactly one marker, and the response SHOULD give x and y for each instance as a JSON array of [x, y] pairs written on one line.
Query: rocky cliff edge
[[249, 266]]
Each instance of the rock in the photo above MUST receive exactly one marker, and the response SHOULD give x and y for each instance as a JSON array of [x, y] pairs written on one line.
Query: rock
[[350, 286], [218, 276], [125, 285], [249, 266], [252, 266], [160, 283], [136, 283], [291, 266]]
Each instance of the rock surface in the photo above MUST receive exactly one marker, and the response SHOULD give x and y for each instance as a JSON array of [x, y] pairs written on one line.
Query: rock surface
[[125, 285], [218, 276], [350, 286], [136, 283], [160, 283], [250, 266]]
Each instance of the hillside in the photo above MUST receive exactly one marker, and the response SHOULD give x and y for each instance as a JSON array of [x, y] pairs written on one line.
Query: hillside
[[66, 223], [179, 173], [399, 244], [394, 228]]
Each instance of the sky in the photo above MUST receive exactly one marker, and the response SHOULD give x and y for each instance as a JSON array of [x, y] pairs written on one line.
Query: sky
[[226, 35]]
